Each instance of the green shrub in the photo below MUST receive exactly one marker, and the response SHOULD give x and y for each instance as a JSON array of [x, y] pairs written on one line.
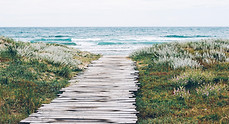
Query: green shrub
[[210, 90], [194, 78], [65, 72], [181, 92]]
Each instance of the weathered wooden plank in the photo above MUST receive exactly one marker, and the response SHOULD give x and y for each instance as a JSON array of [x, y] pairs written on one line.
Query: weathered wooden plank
[[102, 94]]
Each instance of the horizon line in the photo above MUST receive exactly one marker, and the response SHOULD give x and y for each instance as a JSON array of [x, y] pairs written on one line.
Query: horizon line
[[103, 26]]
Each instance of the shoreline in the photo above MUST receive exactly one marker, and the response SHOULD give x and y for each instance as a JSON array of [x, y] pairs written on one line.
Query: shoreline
[[114, 38]]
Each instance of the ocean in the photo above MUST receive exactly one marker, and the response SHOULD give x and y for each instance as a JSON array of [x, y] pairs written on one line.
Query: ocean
[[113, 40]]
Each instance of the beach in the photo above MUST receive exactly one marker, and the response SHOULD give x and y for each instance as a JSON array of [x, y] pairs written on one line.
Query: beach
[[179, 81], [114, 61]]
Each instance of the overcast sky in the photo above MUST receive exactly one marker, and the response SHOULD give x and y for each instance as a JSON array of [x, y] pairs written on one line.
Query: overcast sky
[[114, 13]]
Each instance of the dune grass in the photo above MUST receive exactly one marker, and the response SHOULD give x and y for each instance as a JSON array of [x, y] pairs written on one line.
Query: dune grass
[[33, 73], [183, 82]]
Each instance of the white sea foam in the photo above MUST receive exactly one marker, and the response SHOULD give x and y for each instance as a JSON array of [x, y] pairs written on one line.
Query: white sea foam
[[123, 49], [86, 44]]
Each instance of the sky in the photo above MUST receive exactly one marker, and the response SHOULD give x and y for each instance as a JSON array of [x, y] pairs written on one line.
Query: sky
[[106, 13]]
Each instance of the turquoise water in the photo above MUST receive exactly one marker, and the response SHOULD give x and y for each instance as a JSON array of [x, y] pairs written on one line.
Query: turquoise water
[[113, 40]]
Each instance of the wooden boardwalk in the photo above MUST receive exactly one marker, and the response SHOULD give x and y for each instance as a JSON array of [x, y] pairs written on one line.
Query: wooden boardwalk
[[102, 94]]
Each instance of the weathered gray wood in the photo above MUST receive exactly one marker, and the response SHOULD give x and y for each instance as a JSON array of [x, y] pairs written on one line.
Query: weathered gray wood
[[102, 94]]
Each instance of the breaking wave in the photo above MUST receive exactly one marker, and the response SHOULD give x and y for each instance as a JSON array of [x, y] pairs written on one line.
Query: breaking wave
[[186, 36]]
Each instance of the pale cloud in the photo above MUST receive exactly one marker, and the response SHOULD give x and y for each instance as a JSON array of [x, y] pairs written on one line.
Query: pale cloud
[[114, 12]]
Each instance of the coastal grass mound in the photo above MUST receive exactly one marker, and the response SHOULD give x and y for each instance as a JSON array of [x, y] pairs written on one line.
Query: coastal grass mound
[[33, 73], [183, 82]]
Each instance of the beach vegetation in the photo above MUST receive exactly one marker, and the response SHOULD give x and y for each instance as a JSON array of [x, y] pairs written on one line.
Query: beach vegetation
[[183, 82], [32, 74]]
